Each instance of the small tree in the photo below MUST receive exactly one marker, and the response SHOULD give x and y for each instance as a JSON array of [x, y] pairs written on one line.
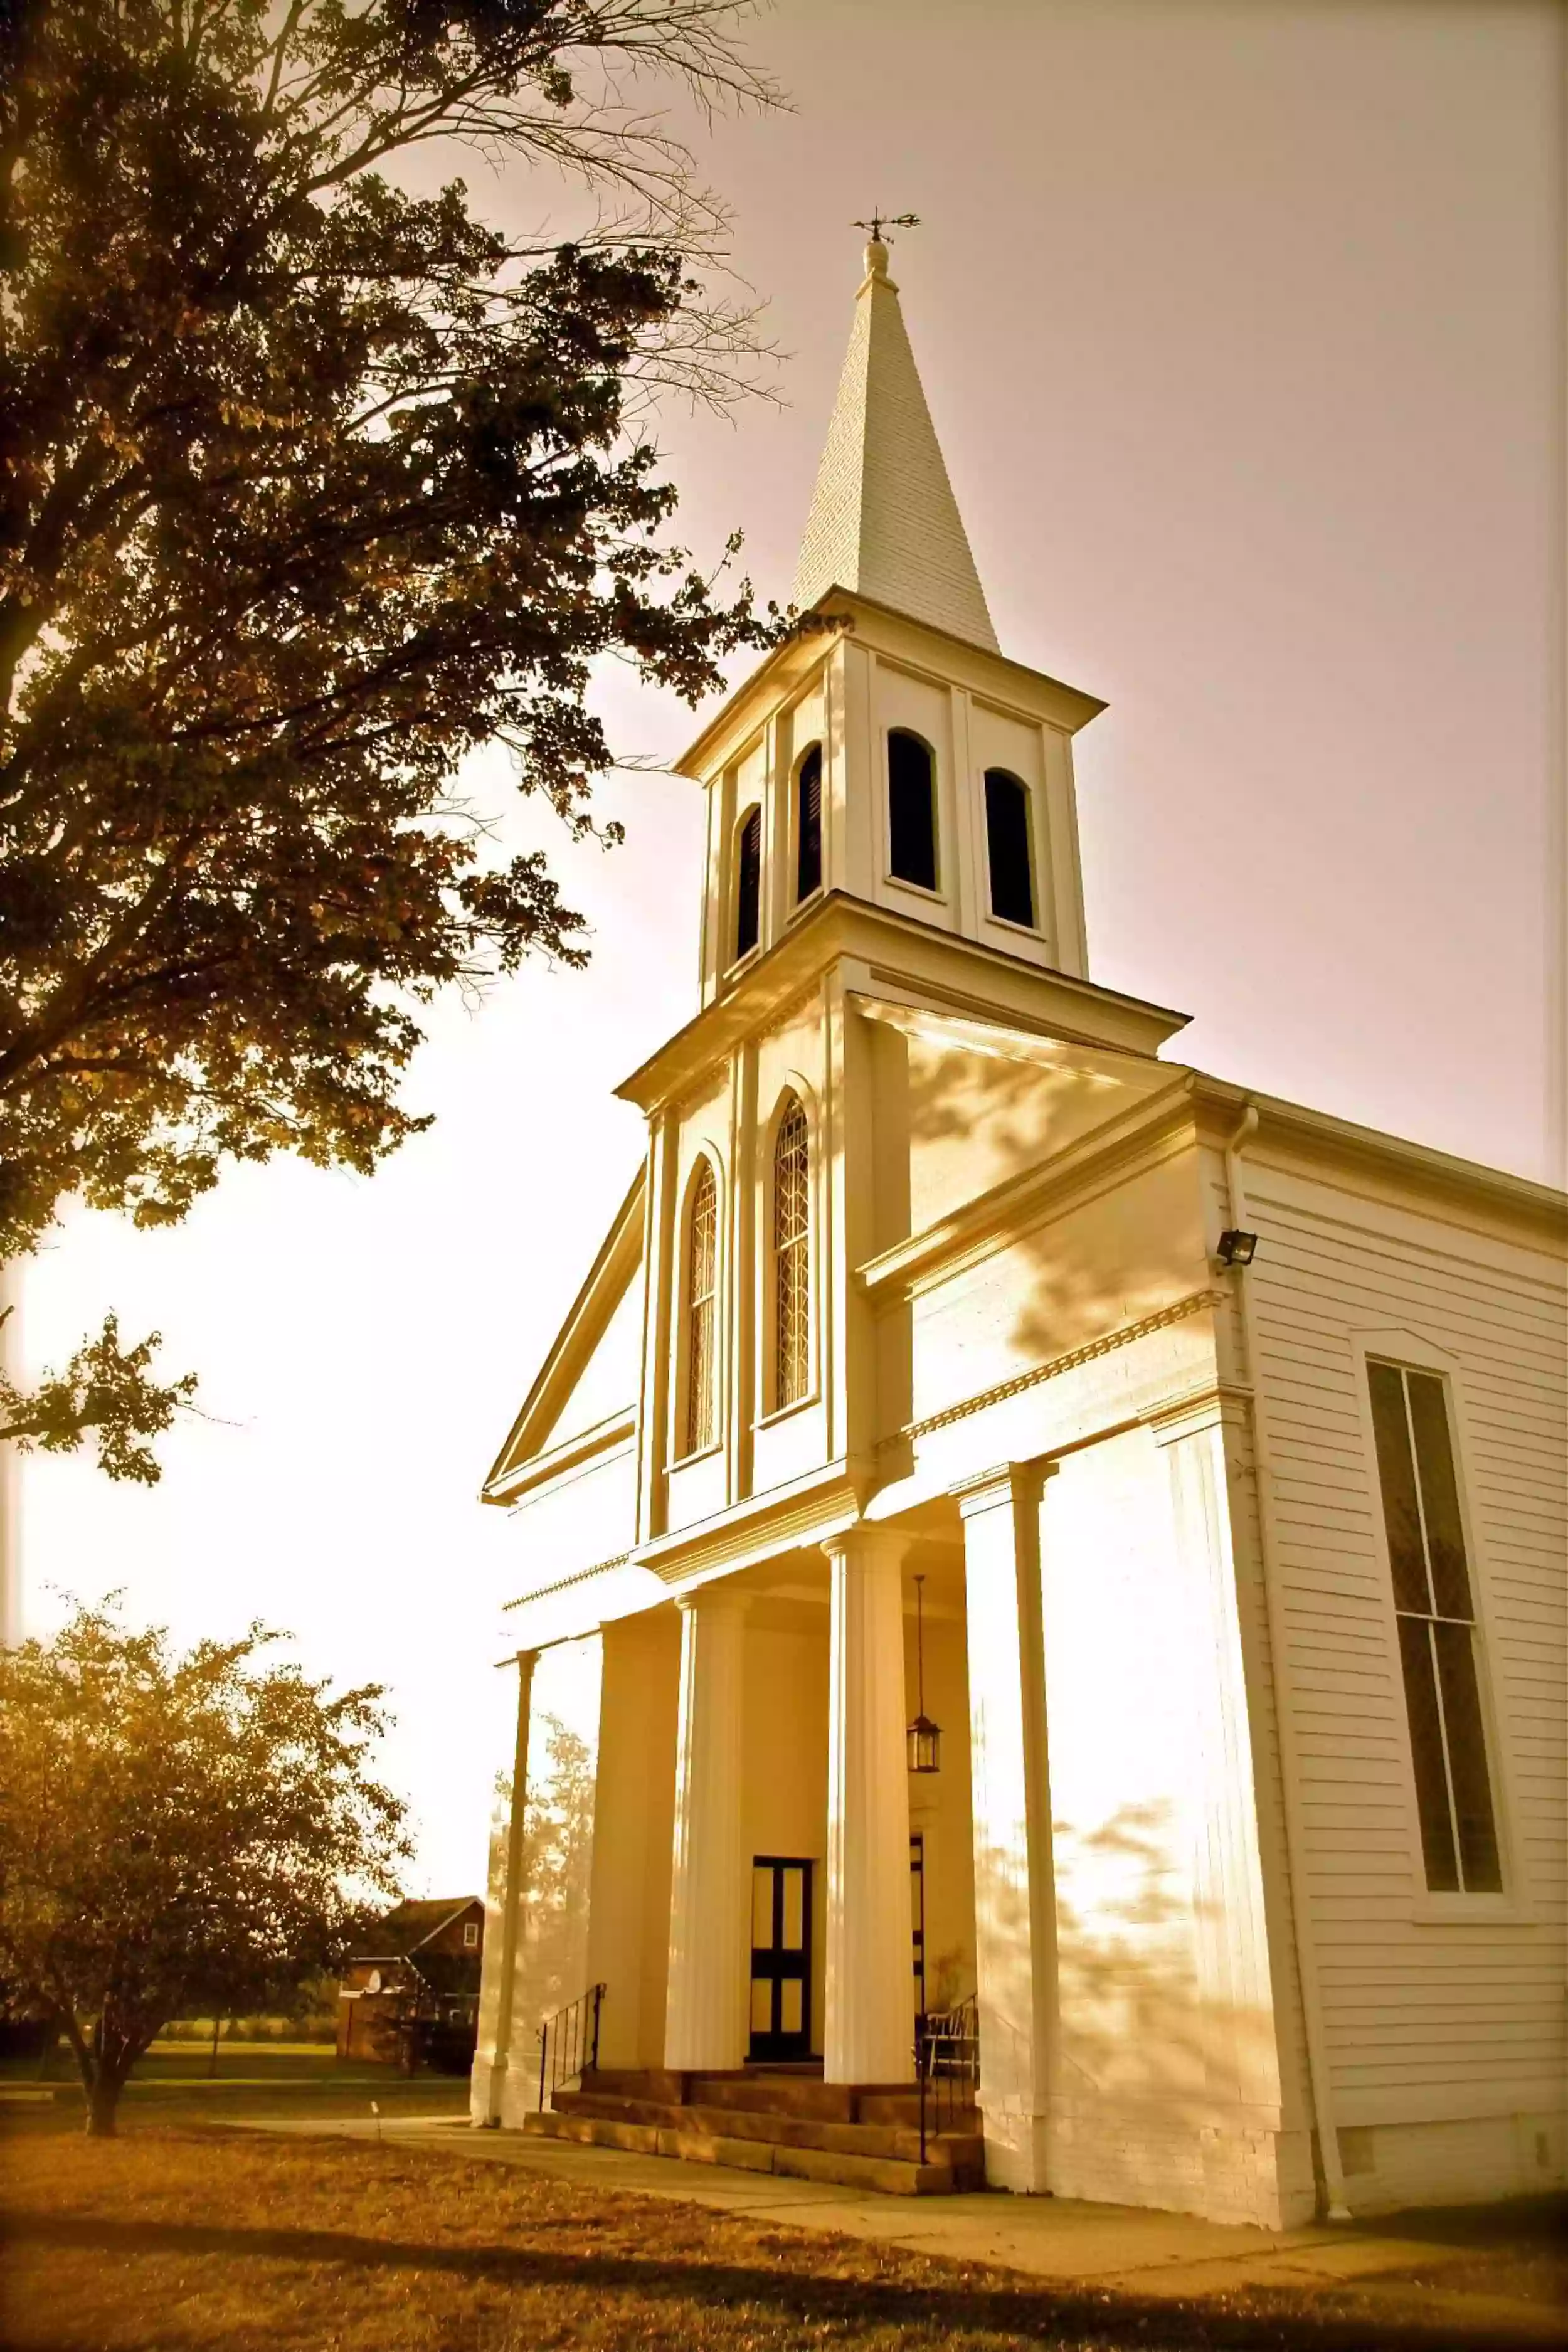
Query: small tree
[[178, 1834]]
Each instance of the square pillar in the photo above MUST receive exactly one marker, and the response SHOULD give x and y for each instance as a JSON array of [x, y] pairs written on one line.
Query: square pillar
[[1015, 1895], [870, 2022], [503, 1910], [707, 2006]]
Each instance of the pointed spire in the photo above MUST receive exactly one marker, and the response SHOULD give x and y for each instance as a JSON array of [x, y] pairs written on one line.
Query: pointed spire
[[883, 518]]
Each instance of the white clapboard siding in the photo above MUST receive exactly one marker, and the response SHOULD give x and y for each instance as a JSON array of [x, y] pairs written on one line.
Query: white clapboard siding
[[1426, 2016]]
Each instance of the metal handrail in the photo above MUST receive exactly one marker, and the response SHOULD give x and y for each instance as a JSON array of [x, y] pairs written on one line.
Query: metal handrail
[[947, 2065], [569, 2044]]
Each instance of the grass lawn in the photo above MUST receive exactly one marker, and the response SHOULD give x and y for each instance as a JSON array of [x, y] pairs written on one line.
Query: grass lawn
[[177, 2236], [252, 2079]]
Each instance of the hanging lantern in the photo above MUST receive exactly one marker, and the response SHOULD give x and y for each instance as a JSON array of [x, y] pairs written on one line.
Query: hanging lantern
[[923, 1736]]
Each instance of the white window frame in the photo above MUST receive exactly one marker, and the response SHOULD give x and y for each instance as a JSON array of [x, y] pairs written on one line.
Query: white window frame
[[939, 897], [680, 1318], [792, 847], [737, 958], [790, 1083], [1035, 930], [1398, 1345]]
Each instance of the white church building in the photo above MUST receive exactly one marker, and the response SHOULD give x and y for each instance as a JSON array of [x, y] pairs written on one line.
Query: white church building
[[1039, 1594]]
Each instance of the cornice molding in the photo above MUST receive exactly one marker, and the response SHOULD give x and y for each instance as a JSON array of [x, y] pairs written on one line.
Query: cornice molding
[[1197, 1302], [1395, 1171], [820, 1504], [564, 1583], [605, 1437], [1215, 1405], [965, 973], [1011, 1485]]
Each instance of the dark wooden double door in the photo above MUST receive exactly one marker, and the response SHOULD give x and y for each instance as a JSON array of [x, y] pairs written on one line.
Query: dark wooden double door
[[781, 1958]]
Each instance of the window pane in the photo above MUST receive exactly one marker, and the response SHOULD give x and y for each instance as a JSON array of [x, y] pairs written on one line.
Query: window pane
[[1427, 1754], [912, 810], [1396, 1474], [789, 2021], [701, 1259], [761, 1910], [792, 1257], [1439, 1495], [1007, 847], [748, 883], [808, 824], [793, 1909], [1468, 1758], [762, 2005]]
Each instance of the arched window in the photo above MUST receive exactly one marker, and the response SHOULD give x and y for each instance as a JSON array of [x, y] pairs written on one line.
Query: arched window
[[912, 809], [748, 882], [1007, 847], [808, 824], [701, 1275], [792, 1256]]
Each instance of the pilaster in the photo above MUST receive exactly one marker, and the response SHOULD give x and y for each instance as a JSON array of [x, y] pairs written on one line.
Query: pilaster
[[1235, 2021], [1015, 1897]]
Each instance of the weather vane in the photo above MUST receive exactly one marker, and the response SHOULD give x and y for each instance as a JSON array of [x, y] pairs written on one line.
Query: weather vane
[[879, 220]]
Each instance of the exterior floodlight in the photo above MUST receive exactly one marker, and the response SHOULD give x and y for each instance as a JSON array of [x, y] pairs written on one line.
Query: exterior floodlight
[[1238, 1248], [924, 1736]]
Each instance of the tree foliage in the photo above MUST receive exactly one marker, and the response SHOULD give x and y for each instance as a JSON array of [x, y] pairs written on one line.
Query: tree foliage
[[178, 1834], [311, 483], [106, 1391]]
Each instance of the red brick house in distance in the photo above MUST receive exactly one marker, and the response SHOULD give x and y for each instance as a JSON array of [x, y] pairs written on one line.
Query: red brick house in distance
[[416, 1993]]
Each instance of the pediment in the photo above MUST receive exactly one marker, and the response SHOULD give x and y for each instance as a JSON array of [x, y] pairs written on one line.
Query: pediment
[[585, 1398]]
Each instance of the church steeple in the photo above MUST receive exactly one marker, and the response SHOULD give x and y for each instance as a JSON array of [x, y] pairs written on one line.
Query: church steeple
[[884, 522]]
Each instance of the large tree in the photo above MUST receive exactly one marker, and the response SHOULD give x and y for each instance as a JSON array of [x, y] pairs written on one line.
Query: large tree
[[311, 483], [178, 1834]]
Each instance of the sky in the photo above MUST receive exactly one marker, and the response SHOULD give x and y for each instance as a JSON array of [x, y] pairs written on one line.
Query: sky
[[1241, 322]]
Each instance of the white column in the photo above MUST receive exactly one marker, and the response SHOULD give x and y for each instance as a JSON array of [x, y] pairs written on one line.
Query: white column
[[497, 1984], [707, 2008], [869, 2025], [1233, 2024], [1015, 1895]]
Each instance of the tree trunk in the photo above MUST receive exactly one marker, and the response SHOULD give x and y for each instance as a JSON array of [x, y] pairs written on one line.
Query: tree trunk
[[103, 2104]]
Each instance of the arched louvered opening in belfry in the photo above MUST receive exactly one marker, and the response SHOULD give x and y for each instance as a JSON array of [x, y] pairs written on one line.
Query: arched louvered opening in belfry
[[748, 882], [1007, 847], [791, 1255], [699, 1409], [808, 824], [912, 809]]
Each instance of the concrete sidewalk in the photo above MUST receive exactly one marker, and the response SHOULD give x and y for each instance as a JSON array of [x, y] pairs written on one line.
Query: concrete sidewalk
[[1112, 2249]]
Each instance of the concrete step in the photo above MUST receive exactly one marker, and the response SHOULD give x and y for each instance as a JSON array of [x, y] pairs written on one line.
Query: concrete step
[[901, 2143], [696, 2146], [904, 2106], [790, 2095]]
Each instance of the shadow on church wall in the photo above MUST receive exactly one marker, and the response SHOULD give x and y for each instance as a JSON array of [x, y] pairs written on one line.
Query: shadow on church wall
[[557, 1858], [974, 1122]]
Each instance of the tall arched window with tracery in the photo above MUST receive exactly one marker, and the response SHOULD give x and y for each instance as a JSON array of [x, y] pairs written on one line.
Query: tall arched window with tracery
[[701, 1279], [792, 1256]]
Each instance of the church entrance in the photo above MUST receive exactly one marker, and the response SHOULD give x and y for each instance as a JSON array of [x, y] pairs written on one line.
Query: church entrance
[[781, 1958]]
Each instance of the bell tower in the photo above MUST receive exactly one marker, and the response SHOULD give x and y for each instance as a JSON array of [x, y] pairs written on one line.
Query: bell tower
[[890, 840], [888, 751]]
